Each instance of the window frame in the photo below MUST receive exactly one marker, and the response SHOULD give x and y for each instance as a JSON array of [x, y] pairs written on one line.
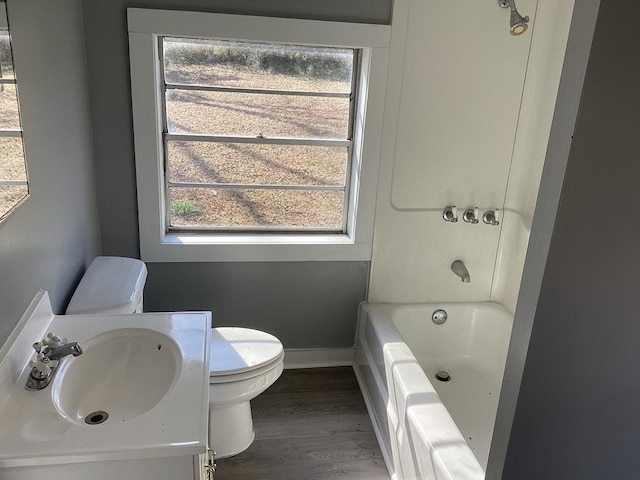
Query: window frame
[[219, 138], [159, 245], [13, 132]]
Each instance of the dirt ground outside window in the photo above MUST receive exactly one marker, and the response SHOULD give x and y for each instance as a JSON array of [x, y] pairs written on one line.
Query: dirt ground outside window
[[256, 116]]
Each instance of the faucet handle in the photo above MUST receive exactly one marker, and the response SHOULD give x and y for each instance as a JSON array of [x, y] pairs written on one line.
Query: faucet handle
[[470, 215], [491, 217], [52, 340], [450, 214], [42, 366]]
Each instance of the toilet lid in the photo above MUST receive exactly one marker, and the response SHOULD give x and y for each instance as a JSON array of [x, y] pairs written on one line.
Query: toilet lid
[[236, 350]]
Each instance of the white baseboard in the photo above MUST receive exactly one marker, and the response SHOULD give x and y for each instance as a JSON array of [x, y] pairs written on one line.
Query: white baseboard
[[318, 357]]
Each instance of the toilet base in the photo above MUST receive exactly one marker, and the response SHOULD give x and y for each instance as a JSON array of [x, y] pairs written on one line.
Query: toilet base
[[230, 429]]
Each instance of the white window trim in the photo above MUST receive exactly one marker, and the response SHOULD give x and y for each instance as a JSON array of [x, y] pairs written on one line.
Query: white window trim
[[13, 132], [145, 26]]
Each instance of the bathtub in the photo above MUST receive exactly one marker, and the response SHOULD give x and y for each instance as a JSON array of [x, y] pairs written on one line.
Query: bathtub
[[428, 428]]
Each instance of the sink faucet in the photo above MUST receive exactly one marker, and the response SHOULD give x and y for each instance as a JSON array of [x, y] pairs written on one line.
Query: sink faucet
[[459, 268], [49, 352], [58, 353]]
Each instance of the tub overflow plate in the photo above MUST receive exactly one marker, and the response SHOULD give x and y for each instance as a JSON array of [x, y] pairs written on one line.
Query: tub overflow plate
[[439, 317]]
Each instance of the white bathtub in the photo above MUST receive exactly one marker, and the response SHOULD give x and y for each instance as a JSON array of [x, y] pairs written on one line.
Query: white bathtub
[[429, 429]]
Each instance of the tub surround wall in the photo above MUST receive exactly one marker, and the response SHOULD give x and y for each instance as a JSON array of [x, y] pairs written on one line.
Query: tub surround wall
[[586, 325], [453, 124], [48, 242], [534, 125], [449, 142], [333, 288], [461, 88]]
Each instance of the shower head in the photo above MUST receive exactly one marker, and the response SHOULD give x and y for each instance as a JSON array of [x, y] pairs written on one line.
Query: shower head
[[518, 23]]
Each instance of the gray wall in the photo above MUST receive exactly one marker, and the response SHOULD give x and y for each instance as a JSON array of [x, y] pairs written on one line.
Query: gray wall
[[304, 305], [110, 94], [49, 240], [577, 415]]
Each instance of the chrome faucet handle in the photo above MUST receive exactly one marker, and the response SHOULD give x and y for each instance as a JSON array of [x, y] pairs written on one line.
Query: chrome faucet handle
[[491, 217], [42, 366], [450, 214], [470, 215]]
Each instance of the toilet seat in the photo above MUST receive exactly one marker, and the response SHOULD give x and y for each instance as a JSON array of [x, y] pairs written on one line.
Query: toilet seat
[[218, 379], [241, 353]]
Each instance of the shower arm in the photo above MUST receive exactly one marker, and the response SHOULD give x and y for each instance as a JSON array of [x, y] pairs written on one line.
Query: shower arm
[[507, 4], [511, 5]]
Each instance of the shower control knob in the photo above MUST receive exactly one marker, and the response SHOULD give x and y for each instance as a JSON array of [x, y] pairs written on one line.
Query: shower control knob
[[491, 217], [470, 215], [450, 214]]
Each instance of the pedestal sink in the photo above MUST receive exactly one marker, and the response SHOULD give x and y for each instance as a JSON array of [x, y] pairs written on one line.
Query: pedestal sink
[[120, 375]]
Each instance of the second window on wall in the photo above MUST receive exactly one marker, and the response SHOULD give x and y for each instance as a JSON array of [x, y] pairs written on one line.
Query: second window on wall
[[257, 136]]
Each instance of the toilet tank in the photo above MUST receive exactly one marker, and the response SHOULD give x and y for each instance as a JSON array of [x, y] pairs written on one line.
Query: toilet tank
[[111, 285]]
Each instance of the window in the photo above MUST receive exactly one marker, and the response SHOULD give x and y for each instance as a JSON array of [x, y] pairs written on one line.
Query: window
[[13, 172], [256, 138]]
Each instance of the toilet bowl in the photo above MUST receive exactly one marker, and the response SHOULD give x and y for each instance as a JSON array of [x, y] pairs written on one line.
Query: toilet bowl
[[243, 362]]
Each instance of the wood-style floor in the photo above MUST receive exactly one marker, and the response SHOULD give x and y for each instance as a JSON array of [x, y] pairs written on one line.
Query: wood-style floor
[[312, 424]]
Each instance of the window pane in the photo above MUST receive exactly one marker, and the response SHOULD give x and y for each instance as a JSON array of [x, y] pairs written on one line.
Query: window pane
[[12, 159], [10, 195], [9, 116], [257, 65], [6, 64], [256, 208], [208, 162], [251, 114]]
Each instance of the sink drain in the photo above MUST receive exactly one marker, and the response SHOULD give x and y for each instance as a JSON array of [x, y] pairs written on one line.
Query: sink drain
[[96, 418], [443, 376]]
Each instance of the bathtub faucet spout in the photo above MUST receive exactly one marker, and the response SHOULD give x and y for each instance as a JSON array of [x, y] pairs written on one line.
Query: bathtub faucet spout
[[459, 268]]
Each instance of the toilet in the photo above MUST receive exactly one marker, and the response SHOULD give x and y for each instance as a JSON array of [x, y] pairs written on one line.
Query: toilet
[[243, 362]]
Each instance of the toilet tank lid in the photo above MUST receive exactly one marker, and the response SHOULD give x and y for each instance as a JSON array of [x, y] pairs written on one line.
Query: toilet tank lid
[[110, 285]]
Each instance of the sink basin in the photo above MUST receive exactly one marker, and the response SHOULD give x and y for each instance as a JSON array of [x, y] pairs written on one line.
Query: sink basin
[[120, 375]]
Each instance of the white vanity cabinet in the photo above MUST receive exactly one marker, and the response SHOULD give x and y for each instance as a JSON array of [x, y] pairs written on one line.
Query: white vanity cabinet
[[166, 468]]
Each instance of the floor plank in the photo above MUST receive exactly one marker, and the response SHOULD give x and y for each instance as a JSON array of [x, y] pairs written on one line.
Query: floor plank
[[312, 424]]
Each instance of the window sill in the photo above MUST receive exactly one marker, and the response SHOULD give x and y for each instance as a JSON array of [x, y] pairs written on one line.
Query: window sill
[[184, 247]]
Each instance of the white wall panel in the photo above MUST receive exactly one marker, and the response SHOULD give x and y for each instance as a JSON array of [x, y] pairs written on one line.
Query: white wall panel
[[461, 91], [462, 124], [412, 260], [538, 105], [438, 150]]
